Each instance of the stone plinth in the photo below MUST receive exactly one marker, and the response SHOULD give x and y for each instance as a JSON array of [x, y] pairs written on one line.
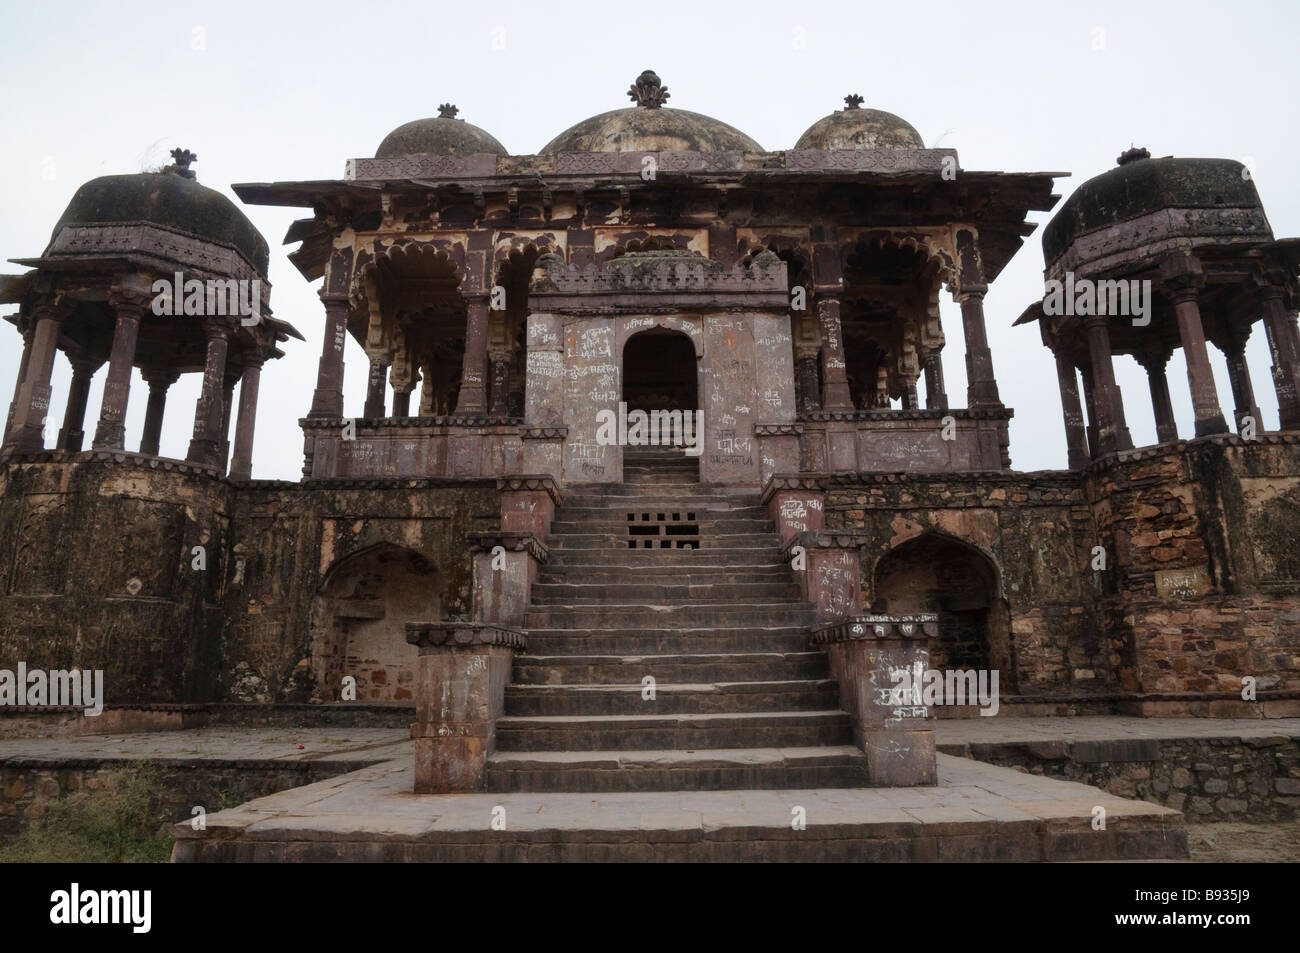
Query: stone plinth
[[828, 566], [796, 503], [869, 655], [460, 685], [528, 503], [505, 567]]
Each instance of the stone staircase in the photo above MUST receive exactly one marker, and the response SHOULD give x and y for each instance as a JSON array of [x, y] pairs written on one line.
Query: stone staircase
[[665, 578]]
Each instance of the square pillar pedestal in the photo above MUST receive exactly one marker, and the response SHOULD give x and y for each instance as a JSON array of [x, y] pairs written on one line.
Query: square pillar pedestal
[[460, 689], [879, 662]]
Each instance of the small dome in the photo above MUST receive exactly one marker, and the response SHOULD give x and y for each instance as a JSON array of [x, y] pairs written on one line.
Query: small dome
[[856, 128], [649, 127], [170, 197], [1139, 186], [444, 135]]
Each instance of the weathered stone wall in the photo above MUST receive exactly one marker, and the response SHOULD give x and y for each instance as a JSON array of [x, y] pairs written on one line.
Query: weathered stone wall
[[98, 571]]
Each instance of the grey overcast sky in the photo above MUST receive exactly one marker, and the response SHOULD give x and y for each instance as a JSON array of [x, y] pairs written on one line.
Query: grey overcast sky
[[287, 91]]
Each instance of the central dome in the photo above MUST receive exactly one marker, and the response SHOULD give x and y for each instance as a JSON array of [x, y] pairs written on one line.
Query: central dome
[[649, 127], [856, 128], [443, 135]]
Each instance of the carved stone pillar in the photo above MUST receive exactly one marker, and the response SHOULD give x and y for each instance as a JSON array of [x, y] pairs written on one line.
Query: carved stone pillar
[[33, 400], [376, 388], [936, 397], [1183, 280], [18, 383], [160, 380], [1243, 390], [1108, 404], [227, 404], [500, 362], [1075, 437], [328, 399], [805, 362], [472, 398], [1090, 402], [129, 302], [1280, 326], [72, 436], [241, 467], [205, 445], [835, 381], [982, 385], [1161, 405]]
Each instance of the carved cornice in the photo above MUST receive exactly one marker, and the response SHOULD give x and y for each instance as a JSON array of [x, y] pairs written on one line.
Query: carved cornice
[[1194, 446], [511, 542], [467, 421], [777, 482], [465, 634], [422, 167], [598, 163], [859, 628], [539, 482], [669, 272], [18, 457], [828, 539], [870, 160], [90, 240], [778, 430], [543, 433], [826, 416]]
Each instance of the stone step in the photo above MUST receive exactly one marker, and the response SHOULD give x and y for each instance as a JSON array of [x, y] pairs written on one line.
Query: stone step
[[707, 698], [617, 494], [618, 510], [696, 667], [601, 594], [775, 574], [708, 641], [768, 540], [823, 766], [677, 732], [759, 557], [700, 523], [666, 616]]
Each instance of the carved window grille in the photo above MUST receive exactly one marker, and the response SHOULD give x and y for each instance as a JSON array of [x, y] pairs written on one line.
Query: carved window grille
[[663, 530]]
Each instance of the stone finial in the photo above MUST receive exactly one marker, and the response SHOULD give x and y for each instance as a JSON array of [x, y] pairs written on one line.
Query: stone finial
[[447, 111], [1132, 154], [182, 159], [648, 91], [852, 101]]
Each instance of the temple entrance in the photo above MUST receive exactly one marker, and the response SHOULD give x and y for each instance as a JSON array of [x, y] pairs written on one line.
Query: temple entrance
[[660, 371], [940, 574]]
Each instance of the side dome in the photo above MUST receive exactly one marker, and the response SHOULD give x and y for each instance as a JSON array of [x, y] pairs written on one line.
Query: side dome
[[171, 197], [649, 127], [856, 128], [1139, 186], [443, 135]]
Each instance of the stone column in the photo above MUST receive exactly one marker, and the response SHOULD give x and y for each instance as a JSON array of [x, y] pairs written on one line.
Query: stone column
[[1280, 326], [1108, 404], [472, 399], [159, 381], [129, 303], [1075, 437], [1161, 405], [18, 384], [33, 401], [805, 362], [205, 445], [401, 403], [1243, 391], [227, 404], [982, 386], [1183, 278], [241, 467], [376, 388], [500, 390], [72, 436], [1090, 402], [328, 399], [835, 381], [936, 396]]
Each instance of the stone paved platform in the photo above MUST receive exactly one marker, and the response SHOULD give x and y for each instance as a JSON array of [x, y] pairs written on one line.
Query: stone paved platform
[[977, 812]]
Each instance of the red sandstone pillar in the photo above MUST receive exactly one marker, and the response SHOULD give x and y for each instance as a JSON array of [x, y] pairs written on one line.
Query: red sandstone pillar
[[1243, 390], [835, 381], [1280, 326], [129, 304], [241, 467], [1075, 438], [71, 436], [500, 391], [28, 431], [472, 399], [1108, 404], [18, 384], [159, 381], [205, 446], [808, 392], [1205, 396], [981, 384], [328, 399], [936, 396], [1161, 405], [376, 389]]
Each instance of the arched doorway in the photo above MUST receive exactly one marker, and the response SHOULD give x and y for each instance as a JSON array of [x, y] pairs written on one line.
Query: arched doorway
[[359, 621], [660, 371], [941, 574]]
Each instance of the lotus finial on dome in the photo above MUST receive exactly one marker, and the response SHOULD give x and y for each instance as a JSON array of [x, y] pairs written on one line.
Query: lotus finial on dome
[[648, 91]]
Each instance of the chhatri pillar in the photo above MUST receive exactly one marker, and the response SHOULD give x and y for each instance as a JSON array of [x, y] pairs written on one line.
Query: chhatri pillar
[[936, 396], [1108, 404], [376, 387], [160, 380], [1158, 384], [33, 399], [129, 300], [205, 445], [1182, 278], [1075, 437], [981, 386], [499, 361], [72, 435], [328, 398], [241, 466], [1243, 389], [473, 397], [1284, 344]]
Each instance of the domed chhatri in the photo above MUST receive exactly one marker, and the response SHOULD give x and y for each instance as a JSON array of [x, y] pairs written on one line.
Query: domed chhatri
[[856, 128], [1140, 185], [651, 127], [171, 197], [443, 135]]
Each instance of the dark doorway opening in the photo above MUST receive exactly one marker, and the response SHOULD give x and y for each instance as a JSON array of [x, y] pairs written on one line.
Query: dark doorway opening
[[660, 371]]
